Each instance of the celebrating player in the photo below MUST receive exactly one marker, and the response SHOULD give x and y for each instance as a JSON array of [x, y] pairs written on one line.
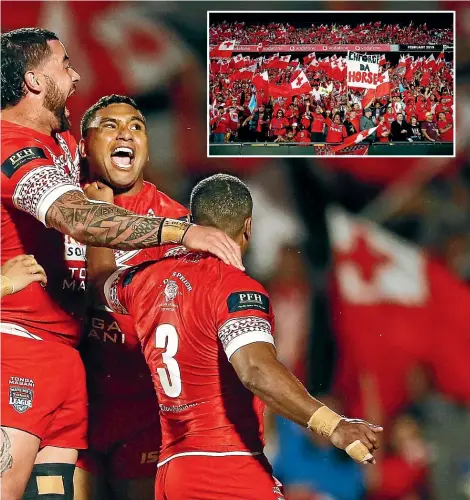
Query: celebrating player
[[124, 428], [207, 334], [43, 402]]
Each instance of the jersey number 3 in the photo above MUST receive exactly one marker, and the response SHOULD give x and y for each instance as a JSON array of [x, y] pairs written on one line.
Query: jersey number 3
[[166, 337]]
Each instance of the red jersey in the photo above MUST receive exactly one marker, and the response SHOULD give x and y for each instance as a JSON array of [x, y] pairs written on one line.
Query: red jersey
[[279, 125], [111, 351], [381, 129], [192, 312], [36, 170], [318, 123], [221, 123], [303, 136], [449, 135], [389, 118], [336, 133]]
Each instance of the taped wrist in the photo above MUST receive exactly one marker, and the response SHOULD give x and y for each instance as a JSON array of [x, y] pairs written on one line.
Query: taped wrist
[[50, 482], [7, 286], [172, 231], [324, 421]]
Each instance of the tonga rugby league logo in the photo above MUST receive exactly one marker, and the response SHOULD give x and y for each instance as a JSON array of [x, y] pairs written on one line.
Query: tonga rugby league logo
[[21, 394], [171, 291]]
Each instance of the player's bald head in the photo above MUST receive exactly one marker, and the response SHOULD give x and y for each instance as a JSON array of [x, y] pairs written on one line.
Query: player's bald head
[[222, 201]]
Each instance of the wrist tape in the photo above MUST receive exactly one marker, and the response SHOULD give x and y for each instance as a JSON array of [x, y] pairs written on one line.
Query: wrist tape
[[173, 231], [324, 421], [7, 286]]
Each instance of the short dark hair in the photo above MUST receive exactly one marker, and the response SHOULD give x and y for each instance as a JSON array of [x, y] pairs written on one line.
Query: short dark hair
[[222, 201], [104, 102], [22, 50]]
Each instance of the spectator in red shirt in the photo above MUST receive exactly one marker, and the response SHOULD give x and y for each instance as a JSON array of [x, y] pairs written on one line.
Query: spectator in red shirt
[[390, 115], [337, 131], [421, 109], [306, 120], [318, 126], [383, 130], [352, 124], [220, 125], [444, 106], [303, 136], [328, 117], [445, 127], [429, 129], [279, 124]]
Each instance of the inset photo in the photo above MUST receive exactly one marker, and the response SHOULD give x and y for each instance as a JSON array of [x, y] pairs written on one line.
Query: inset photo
[[331, 83]]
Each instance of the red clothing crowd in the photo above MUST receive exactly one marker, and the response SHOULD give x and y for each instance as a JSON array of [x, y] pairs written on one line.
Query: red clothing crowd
[[239, 111], [280, 33]]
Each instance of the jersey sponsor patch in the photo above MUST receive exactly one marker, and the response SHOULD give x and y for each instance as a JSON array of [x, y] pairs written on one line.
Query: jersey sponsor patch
[[241, 301], [20, 158]]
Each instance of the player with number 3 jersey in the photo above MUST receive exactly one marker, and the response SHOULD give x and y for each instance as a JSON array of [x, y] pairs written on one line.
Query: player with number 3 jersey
[[207, 335]]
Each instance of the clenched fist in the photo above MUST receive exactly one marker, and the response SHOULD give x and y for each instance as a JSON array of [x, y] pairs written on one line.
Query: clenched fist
[[97, 191]]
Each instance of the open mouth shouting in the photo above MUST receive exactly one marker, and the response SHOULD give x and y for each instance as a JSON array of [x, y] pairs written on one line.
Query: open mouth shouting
[[122, 157]]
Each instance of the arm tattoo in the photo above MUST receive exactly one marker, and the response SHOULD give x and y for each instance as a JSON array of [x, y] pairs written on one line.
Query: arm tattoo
[[101, 224], [6, 458]]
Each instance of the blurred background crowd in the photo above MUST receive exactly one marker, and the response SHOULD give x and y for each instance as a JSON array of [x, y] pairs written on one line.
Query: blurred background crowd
[[338, 32], [366, 262]]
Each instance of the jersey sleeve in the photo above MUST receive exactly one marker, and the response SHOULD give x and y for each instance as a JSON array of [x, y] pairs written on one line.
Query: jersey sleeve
[[30, 180], [120, 287], [243, 314]]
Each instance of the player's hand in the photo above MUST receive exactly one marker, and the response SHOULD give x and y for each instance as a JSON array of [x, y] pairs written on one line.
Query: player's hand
[[98, 191], [22, 271], [210, 239], [350, 430]]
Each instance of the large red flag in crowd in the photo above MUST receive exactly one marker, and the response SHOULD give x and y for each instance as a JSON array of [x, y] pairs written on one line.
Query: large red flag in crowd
[[394, 307]]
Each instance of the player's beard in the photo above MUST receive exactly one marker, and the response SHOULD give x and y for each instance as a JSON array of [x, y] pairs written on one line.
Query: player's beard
[[55, 102]]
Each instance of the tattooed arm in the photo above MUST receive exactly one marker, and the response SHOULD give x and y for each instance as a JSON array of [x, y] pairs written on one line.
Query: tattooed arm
[[6, 459], [106, 225]]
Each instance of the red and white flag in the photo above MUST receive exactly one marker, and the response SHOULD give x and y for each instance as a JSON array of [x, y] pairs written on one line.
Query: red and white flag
[[298, 86], [237, 61], [353, 139], [394, 307], [294, 62], [309, 58], [383, 87], [223, 50], [243, 73], [382, 60], [261, 81], [301, 84]]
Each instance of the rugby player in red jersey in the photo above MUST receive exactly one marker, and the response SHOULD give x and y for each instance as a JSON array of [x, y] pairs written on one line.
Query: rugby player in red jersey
[[123, 429], [43, 393], [207, 334]]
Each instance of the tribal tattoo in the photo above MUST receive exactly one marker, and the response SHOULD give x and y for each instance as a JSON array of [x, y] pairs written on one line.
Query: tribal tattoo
[[101, 224], [6, 458]]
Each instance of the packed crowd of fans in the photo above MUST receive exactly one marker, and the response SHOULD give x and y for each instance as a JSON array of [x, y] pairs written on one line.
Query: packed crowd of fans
[[330, 112], [377, 32]]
